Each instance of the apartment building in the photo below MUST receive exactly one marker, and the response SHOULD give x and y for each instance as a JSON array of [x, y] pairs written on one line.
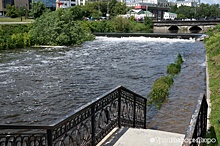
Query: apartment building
[[16, 3], [69, 3]]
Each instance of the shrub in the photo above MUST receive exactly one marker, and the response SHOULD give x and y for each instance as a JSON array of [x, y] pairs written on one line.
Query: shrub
[[14, 36], [175, 68], [160, 90], [121, 24], [53, 28], [161, 87]]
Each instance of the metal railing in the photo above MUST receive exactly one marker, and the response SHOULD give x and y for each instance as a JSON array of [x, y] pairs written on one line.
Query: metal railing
[[86, 126], [197, 129]]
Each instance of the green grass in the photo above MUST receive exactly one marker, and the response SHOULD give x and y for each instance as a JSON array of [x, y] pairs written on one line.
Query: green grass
[[213, 54], [18, 19]]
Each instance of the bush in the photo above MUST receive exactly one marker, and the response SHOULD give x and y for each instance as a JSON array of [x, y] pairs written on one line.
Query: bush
[[161, 87], [175, 68], [160, 90], [121, 24], [54, 28], [14, 36]]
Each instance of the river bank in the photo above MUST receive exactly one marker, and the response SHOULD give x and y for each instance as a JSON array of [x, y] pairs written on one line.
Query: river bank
[[212, 45]]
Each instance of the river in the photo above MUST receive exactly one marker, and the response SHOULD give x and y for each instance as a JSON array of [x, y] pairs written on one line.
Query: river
[[41, 85]]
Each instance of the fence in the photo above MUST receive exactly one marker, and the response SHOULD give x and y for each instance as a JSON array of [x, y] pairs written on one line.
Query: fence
[[198, 124], [86, 126]]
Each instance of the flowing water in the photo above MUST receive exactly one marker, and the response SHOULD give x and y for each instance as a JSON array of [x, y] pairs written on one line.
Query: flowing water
[[42, 85]]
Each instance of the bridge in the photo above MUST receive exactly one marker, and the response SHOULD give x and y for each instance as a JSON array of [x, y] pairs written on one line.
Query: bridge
[[119, 108], [192, 25]]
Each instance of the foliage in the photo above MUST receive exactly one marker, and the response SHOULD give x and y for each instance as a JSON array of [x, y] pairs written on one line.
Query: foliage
[[181, 16], [99, 26], [100, 9], [11, 11], [37, 9], [212, 45], [59, 28], [175, 68], [160, 90], [118, 8], [119, 24], [148, 22], [161, 87], [204, 11], [14, 36]]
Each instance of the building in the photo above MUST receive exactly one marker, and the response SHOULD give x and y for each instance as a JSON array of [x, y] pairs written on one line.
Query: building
[[169, 16], [138, 14], [69, 3], [16, 3], [186, 3]]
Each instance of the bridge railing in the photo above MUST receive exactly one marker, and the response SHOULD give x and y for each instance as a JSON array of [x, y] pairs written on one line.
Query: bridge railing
[[197, 128], [86, 126]]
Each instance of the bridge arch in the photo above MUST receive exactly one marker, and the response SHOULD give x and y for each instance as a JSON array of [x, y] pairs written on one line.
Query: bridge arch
[[195, 28], [173, 27]]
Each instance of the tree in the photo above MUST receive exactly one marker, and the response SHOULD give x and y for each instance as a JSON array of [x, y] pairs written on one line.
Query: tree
[[173, 9], [181, 16], [59, 28], [37, 9], [148, 22], [119, 8], [201, 11], [11, 11]]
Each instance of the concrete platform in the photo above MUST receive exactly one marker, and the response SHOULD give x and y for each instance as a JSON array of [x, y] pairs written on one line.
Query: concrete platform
[[144, 137]]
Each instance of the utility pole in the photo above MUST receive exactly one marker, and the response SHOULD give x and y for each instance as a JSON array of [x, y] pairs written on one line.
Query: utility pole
[[20, 12], [107, 15]]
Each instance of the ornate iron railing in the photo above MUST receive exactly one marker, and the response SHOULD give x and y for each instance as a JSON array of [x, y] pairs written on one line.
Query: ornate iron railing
[[86, 126], [197, 129]]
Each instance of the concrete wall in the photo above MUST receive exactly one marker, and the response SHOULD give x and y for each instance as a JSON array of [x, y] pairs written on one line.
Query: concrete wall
[[183, 28]]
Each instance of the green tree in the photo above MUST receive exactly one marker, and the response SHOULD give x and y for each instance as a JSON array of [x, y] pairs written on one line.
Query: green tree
[[37, 9], [119, 8], [181, 16], [54, 28], [93, 9], [200, 11], [148, 22], [11, 11], [173, 9], [121, 24], [189, 12]]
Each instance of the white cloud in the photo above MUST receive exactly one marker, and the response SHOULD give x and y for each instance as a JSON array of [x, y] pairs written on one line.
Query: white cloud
[[210, 1]]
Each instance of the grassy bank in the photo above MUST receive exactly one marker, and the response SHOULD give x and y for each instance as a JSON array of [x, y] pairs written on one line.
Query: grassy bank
[[7, 19], [212, 45]]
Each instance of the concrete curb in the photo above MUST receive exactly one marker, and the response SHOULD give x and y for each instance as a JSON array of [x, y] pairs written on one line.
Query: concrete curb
[[208, 95]]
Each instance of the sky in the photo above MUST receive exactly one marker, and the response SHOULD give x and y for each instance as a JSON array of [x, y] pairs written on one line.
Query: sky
[[204, 1], [210, 1]]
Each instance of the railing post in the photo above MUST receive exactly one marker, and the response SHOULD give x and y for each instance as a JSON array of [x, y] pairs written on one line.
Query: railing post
[[134, 112], [145, 113], [119, 107], [93, 124], [49, 137]]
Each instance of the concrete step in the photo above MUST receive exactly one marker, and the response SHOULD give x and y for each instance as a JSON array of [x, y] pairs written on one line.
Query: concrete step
[[143, 137]]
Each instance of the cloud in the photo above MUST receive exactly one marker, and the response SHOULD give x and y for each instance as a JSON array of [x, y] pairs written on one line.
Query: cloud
[[210, 1]]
